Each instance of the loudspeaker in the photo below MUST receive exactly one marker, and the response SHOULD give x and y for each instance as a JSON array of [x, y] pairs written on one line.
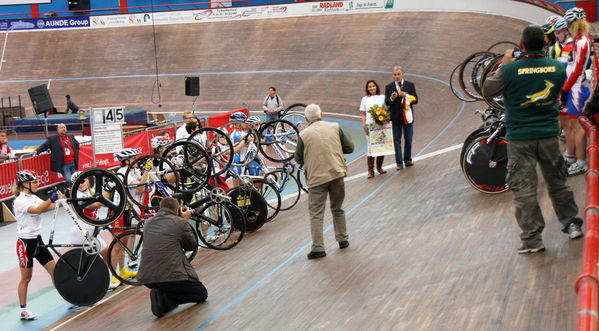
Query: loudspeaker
[[40, 98], [192, 86], [78, 4]]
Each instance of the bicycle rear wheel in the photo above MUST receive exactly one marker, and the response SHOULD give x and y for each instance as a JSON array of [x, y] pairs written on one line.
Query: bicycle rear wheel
[[80, 278], [220, 226], [252, 204], [485, 165], [288, 187]]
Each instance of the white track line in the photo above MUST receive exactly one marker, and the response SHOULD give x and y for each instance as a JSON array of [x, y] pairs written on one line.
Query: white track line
[[90, 308], [425, 156]]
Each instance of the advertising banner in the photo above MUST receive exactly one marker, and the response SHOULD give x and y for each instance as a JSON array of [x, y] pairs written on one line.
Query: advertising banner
[[46, 23], [8, 173]]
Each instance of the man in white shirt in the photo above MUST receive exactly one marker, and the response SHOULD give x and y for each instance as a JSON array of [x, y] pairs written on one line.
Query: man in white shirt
[[182, 133]]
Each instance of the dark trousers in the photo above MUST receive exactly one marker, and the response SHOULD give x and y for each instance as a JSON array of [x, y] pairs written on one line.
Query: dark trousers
[[176, 293], [408, 131]]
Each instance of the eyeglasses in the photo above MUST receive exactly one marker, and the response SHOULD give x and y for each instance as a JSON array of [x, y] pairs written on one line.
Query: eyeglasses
[[34, 182]]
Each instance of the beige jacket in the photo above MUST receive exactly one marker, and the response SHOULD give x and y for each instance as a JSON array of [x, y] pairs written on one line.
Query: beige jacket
[[323, 153]]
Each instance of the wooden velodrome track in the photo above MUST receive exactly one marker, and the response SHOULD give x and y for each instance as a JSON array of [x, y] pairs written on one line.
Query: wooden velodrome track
[[427, 251]]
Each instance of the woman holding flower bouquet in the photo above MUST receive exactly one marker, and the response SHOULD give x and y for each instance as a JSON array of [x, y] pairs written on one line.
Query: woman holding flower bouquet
[[373, 114]]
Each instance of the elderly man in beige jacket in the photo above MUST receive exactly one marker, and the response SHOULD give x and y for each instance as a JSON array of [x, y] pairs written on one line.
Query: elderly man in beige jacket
[[320, 149]]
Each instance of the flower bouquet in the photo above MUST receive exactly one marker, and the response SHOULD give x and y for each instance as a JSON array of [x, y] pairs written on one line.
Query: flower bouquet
[[380, 115]]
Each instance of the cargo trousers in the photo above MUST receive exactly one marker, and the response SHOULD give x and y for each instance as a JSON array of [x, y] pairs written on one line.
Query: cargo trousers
[[523, 157]]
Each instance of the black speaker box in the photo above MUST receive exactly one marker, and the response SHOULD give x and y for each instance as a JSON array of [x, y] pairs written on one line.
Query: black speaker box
[[40, 98], [192, 86], [79, 4]]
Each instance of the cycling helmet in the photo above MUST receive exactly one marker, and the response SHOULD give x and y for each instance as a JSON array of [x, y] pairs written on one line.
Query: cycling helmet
[[240, 116], [75, 175], [552, 19], [160, 141], [548, 28], [560, 25], [126, 154], [26, 176], [253, 120], [575, 14]]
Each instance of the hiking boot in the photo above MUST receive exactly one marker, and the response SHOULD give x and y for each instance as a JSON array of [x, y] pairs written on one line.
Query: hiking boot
[[523, 249], [574, 231]]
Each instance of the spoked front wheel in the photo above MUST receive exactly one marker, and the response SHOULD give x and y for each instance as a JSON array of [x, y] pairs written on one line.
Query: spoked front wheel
[[124, 256], [80, 278], [220, 226], [288, 187]]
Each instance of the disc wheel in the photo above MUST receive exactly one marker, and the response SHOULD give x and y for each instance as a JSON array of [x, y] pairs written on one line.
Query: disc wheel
[[219, 148], [98, 179], [252, 204], [278, 140], [80, 278], [485, 165], [192, 163]]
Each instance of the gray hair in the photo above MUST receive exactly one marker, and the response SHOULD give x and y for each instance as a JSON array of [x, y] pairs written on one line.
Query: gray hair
[[397, 68], [313, 112]]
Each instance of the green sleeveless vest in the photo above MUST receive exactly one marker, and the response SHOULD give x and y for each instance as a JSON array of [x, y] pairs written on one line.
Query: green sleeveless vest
[[531, 90]]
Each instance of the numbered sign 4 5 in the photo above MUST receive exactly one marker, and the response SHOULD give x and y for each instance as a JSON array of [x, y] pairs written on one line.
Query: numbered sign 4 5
[[109, 115]]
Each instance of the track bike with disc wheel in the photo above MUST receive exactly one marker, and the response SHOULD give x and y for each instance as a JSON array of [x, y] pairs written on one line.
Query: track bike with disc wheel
[[81, 276]]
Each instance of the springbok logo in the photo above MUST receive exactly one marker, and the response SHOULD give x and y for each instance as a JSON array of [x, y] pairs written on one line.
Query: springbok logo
[[539, 95]]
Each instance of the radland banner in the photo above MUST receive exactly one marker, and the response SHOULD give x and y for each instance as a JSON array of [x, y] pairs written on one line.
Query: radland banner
[[243, 13], [46, 23]]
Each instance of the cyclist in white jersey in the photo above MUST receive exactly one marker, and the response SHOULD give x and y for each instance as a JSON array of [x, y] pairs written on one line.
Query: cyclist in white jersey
[[27, 208]]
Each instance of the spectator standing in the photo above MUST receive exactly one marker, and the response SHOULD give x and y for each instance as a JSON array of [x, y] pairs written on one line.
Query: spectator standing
[[272, 105], [182, 133], [530, 86], [400, 97], [373, 98], [71, 105], [4, 148], [64, 149], [320, 149], [164, 268]]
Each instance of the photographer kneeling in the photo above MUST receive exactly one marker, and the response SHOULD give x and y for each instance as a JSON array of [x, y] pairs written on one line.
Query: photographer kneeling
[[164, 268]]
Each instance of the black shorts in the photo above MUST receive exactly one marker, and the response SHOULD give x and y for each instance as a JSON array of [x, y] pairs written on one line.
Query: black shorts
[[27, 249]]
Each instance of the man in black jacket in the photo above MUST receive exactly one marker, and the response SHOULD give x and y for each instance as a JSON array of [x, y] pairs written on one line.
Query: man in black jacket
[[65, 152], [164, 268], [400, 96]]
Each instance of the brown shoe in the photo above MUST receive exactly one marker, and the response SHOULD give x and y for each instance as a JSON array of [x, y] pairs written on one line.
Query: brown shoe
[[370, 163], [409, 163], [379, 165], [399, 167]]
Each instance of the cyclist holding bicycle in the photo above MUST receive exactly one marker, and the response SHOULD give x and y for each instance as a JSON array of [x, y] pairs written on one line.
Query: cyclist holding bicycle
[[27, 208], [77, 237]]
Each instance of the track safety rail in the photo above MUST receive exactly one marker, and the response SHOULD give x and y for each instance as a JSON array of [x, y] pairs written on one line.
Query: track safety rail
[[587, 284]]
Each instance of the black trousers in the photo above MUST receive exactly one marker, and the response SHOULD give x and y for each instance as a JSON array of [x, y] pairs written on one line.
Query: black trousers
[[176, 293]]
